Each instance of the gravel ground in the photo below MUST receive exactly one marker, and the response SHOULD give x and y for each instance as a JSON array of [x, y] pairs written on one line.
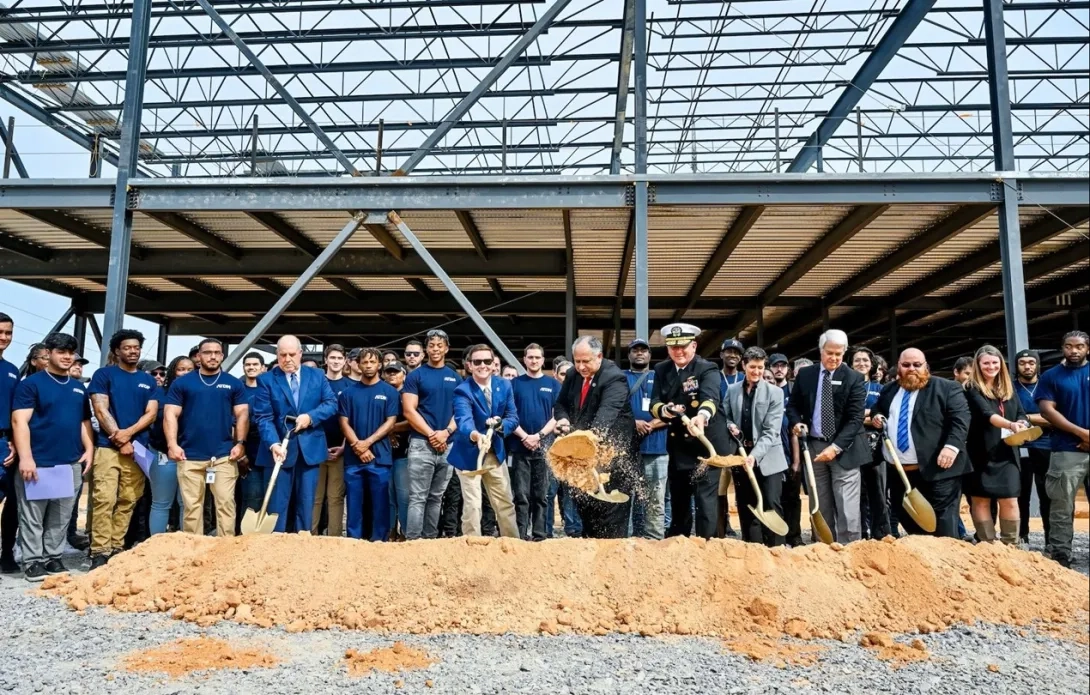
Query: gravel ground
[[51, 649]]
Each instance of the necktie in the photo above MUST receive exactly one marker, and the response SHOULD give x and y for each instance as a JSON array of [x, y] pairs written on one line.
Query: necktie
[[583, 393], [828, 418], [293, 382], [902, 423], [487, 391]]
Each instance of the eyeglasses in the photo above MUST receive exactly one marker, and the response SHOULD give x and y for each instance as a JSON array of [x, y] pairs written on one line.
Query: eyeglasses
[[481, 363], [912, 365]]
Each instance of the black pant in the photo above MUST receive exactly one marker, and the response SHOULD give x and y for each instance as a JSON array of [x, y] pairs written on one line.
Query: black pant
[[874, 503], [1034, 468], [604, 519], [791, 503], [139, 528], [944, 496], [684, 488], [530, 488], [450, 513], [772, 492]]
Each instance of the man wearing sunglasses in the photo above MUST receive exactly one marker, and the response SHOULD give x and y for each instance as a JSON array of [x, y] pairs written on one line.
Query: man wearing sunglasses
[[927, 420], [414, 355]]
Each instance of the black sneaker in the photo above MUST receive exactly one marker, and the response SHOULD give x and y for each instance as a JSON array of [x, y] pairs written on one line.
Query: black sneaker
[[98, 561], [8, 565], [1063, 561], [79, 541], [36, 572], [55, 566]]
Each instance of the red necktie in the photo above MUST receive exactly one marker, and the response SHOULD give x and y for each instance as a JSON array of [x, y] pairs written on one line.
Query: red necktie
[[583, 393]]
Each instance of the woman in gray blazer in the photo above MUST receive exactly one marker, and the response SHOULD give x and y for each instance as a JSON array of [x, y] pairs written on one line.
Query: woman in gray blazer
[[754, 410]]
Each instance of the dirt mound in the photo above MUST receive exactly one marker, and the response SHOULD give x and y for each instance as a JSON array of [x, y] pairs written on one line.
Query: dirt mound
[[399, 657], [677, 586], [190, 654], [574, 457]]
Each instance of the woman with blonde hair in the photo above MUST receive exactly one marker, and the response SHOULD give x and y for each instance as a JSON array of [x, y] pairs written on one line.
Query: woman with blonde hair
[[996, 412]]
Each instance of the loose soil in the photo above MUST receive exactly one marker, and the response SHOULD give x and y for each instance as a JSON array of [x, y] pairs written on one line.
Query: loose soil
[[777, 652], [681, 586], [399, 657], [187, 655], [890, 650], [575, 457]]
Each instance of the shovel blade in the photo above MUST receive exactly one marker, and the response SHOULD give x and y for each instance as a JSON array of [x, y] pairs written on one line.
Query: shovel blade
[[253, 522], [614, 497], [820, 528], [920, 510], [772, 521]]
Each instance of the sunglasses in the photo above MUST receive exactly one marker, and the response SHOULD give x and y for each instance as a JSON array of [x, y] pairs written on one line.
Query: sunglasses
[[481, 363], [159, 372], [414, 353], [912, 365]]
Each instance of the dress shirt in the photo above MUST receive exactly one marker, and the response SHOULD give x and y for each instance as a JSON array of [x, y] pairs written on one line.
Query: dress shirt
[[908, 458]]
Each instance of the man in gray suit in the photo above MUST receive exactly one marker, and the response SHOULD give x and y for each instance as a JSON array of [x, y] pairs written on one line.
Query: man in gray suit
[[754, 410]]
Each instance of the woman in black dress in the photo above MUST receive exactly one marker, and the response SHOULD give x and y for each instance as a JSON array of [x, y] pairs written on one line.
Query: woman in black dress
[[996, 412]]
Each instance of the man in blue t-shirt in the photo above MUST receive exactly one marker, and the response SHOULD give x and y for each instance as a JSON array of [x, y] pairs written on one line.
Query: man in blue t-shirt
[[123, 399], [205, 422], [1035, 454], [655, 461], [367, 414], [1063, 394], [331, 488], [535, 393], [9, 379], [51, 428]]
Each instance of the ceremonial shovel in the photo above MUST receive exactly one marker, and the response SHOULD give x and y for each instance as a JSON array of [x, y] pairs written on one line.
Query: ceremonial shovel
[[260, 522], [773, 521], [1024, 436], [613, 496], [484, 443], [914, 502], [817, 521]]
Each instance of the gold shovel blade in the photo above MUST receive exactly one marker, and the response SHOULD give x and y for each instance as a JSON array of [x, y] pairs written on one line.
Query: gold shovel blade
[[772, 521], [920, 510], [254, 522], [613, 497], [821, 528]]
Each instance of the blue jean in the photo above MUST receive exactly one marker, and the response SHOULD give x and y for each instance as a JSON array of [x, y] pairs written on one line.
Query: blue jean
[[300, 481], [163, 476], [399, 494], [429, 474], [573, 523], [363, 484], [649, 513]]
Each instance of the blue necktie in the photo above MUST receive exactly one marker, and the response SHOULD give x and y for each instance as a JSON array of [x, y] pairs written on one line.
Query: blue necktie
[[293, 382], [902, 423]]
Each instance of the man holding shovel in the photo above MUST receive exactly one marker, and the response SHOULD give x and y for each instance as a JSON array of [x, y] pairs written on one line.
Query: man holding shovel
[[926, 419]]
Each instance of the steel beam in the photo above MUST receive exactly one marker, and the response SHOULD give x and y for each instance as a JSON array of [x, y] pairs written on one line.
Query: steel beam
[[627, 252], [40, 114], [892, 40], [96, 331], [569, 284], [120, 244], [197, 233], [76, 227], [465, 218], [745, 220], [641, 189], [79, 332], [1040, 267], [68, 314], [462, 107], [296, 288], [1010, 246], [466, 305], [624, 66], [24, 248], [12, 152], [162, 343]]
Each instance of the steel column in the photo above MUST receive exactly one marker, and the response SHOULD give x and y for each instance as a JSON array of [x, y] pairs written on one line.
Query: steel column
[[95, 330], [117, 278], [466, 305], [1010, 240], [296, 288], [624, 67], [569, 285], [639, 58], [79, 332], [11, 154], [68, 313], [161, 346], [462, 107]]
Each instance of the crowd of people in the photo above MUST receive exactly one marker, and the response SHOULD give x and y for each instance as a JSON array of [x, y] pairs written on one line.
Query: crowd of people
[[383, 446]]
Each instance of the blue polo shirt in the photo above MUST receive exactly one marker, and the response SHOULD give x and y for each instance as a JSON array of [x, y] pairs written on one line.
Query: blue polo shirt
[[534, 399], [332, 426], [1028, 396], [366, 407], [1069, 389], [653, 444], [129, 394], [60, 407], [435, 389], [206, 424]]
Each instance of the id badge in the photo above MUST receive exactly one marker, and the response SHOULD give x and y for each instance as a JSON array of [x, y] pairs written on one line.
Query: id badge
[[645, 403], [1023, 452], [210, 476]]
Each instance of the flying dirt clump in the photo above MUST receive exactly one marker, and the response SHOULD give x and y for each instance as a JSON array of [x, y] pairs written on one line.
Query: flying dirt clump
[[679, 586], [576, 458]]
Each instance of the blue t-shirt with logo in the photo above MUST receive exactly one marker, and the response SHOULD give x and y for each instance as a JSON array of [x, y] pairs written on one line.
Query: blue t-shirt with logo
[[60, 407], [1069, 389], [9, 379], [654, 444], [129, 394], [206, 424], [332, 426], [367, 406], [1028, 396], [435, 389], [534, 399]]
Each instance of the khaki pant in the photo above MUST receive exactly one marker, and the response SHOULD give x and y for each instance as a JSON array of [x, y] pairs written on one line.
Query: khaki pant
[[330, 489], [117, 484], [191, 476], [498, 484]]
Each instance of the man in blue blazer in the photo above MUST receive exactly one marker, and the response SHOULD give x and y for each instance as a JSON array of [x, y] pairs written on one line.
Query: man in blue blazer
[[481, 402], [289, 389]]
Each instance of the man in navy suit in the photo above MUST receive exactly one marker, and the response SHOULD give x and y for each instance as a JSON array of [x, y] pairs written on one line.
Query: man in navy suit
[[303, 392], [481, 402]]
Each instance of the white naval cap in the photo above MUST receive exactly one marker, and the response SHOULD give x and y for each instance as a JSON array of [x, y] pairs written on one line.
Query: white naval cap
[[679, 334]]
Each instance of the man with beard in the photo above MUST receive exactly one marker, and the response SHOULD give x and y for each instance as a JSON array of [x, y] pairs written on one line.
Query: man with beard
[[594, 397], [1064, 398], [687, 385], [414, 355], [927, 420], [963, 369], [654, 459], [1035, 454]]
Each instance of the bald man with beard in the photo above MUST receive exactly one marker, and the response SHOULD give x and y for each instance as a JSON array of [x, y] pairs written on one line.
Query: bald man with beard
[[927, 420]]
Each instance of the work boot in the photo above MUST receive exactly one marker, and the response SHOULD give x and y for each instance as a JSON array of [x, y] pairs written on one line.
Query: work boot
[[985, 530], [98, 561], [1008, 531]]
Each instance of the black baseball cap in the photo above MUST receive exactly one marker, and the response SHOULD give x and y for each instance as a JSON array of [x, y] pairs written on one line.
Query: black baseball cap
[[732, 344], [394, 367], [354, 353], [639, 342], [1027, 353], [776, 358]]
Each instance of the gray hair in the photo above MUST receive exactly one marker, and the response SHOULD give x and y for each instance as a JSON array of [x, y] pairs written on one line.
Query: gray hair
[[802, 362], [833, 336], [590, 341]]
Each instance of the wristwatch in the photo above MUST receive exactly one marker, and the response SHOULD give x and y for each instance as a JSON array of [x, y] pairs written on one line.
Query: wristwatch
[[450, 430]]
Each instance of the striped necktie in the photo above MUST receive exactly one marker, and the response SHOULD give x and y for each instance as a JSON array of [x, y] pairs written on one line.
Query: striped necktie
[[902, 422]]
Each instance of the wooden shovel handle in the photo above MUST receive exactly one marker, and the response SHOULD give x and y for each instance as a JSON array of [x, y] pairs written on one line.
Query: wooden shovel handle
[[897, 465], [703, 438]]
